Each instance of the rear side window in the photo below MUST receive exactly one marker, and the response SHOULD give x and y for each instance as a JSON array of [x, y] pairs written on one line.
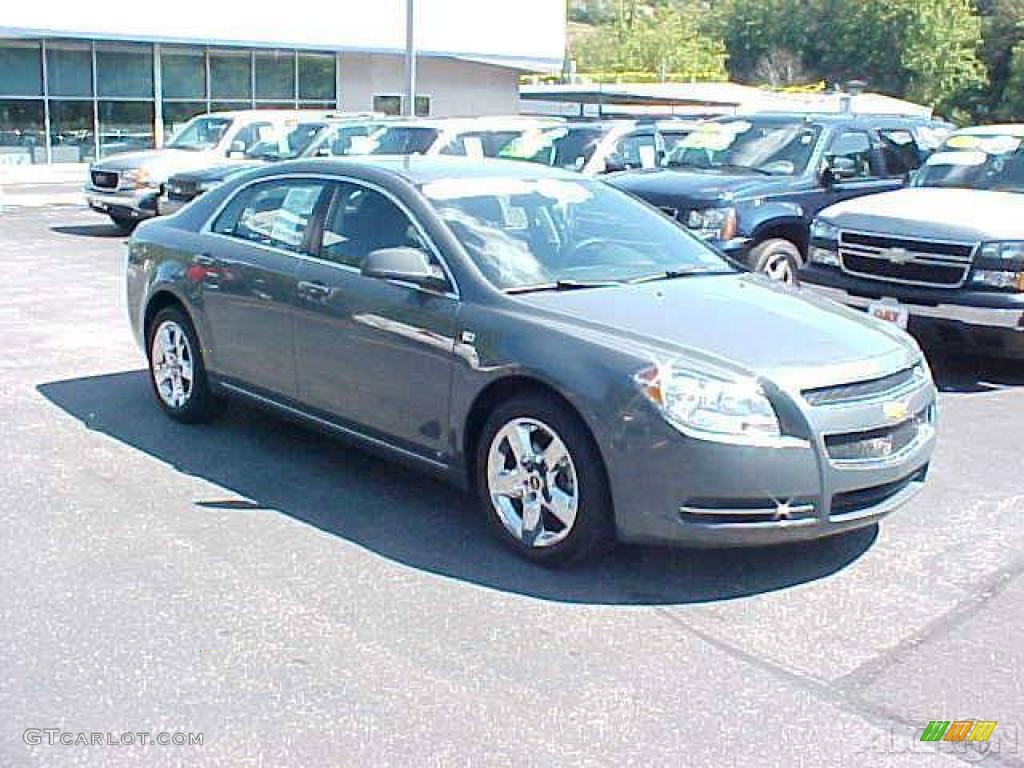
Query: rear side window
[[900, 151], [274, 213]]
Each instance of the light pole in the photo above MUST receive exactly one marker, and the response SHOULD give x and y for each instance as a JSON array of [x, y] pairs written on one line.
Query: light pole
[[410, 58]]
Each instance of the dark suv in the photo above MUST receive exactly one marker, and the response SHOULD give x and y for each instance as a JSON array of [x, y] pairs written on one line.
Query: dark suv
[[751, 185]]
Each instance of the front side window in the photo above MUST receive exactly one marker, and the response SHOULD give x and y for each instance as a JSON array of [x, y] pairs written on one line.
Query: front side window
[[253, 134], [402, 140], [362, 220], [201, 133], [851, 153], [528, 234], [480, 143], [636, 151], [273, 213], [976, 161], [765, 147], [340, 140]]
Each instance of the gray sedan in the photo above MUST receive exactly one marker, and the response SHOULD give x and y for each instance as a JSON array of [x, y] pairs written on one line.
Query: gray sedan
[[578, 360]]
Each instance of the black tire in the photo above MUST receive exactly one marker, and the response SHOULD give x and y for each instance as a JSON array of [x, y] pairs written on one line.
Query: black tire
[[776, 255], [593, 531], [201, 404], [124, 225]]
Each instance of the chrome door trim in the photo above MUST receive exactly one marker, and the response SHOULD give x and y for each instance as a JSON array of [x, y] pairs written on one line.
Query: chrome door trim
[[346, 431], [207, 228]]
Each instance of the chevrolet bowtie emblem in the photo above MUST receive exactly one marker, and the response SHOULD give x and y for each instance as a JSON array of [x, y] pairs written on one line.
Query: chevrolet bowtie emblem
[[898, 255], [895, 410]]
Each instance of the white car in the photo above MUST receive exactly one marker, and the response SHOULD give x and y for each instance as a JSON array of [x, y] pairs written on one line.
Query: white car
[[471, 137], [125, 187]]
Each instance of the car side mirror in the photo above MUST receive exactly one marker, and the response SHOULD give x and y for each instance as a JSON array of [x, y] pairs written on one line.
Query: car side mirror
[[409, 265], [839, 169], [615, 162]]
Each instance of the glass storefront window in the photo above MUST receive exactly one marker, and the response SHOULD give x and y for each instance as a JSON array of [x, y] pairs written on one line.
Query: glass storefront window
[[387, 105], [124, 71], [317, 77], [183, 73], [177, 113], [229, 106], [230, 75], [69, 69], [275, 75], [21, 69], [72, 134], [125, 126], [21, 132]]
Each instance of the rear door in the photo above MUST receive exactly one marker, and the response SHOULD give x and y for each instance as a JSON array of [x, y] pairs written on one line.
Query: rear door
[[374, 354], [249, 273]]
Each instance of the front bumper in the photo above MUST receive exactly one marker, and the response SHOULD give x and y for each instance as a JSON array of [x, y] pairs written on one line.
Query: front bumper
[[991, 321], [136, 204], [668, 488]]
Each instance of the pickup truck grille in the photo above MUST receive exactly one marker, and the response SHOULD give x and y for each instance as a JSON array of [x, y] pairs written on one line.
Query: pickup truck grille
[[182, 191], [105, 179], [931, 263]]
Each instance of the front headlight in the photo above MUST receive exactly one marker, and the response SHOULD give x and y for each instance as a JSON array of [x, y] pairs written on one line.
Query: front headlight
[[1000, 265], [821, 229], [713, 223], [709, 408], [138, 178]]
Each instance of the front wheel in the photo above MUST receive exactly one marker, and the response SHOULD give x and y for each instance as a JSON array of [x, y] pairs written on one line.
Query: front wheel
[[542, 482], [778, 259], [176, 369], [124, 225]]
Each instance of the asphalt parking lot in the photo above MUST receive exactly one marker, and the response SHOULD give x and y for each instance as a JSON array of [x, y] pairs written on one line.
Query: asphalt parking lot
[[302, 604]]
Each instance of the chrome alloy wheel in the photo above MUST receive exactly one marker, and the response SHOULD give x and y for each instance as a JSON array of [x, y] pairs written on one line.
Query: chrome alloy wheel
[[780, 267], [172, 364], [532, 482]]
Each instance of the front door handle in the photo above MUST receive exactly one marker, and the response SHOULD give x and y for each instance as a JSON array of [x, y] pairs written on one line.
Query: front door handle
[[313, 290], [204, 260]]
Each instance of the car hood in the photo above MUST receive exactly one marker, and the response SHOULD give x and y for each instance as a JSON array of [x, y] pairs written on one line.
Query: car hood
[[970, 215], [741, 324], [218, 172], [160, 163], [666, 185]]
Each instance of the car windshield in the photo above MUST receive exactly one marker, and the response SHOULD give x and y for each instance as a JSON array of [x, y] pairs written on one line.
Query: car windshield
[[400, 140], [200, 133], [569, 148], [341, 140], [976, 161], [563, 233], [767, 147]]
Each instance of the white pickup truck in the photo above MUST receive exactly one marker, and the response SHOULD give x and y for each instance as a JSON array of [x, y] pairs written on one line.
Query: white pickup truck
[[945, 254], [125, 187]]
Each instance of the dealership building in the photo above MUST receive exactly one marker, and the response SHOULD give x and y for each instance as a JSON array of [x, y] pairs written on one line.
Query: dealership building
[[83, 80]]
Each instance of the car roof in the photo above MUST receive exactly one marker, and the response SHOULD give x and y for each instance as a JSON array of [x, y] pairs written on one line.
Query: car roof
[[318, 114], [423, 169], [998, 129], [824, 117]]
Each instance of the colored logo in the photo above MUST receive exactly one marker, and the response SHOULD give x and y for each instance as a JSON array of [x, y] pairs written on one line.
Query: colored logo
[[958, 730], [895, 410]]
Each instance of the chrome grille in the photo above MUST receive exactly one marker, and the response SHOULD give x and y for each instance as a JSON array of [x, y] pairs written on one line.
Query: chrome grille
[[931, 263], [105, 179], [884, 386], [875, 444]]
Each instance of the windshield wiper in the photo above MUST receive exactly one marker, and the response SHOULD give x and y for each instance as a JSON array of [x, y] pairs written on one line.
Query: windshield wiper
[[672, 274], [562, 285]]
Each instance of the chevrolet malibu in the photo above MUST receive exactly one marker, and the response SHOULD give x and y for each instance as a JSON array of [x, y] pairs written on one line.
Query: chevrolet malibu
[[579, 361]]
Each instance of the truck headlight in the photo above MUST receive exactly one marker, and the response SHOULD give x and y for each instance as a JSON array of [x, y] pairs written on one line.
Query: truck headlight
[[713, 223], [824, 247], [709, 408], [1000, 265], [138, 178]]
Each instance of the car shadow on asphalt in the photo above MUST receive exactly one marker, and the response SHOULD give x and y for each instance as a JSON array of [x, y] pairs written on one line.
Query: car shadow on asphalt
[[267, 463], [89, 230], [956, 371]]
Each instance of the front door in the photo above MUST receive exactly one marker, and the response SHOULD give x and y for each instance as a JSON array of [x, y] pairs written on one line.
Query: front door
[[374, 354], [249, 274]]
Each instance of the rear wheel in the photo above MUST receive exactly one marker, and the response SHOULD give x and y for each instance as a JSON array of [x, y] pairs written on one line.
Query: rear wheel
[[176, 369], [542, 482], [777, 258]]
